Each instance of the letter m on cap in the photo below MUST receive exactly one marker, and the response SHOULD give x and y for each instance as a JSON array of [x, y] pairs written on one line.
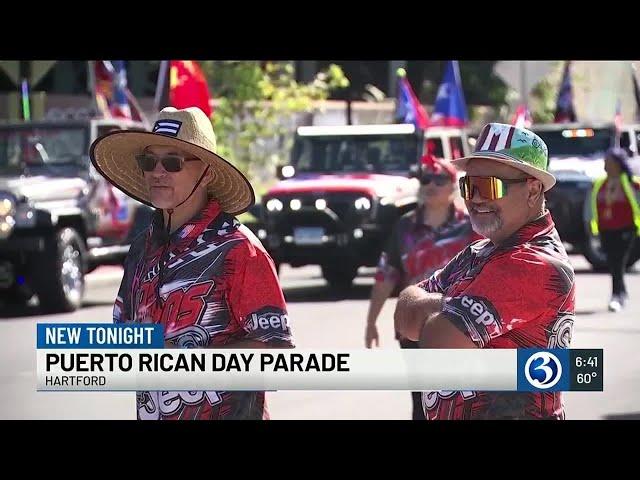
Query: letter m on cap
[[495, 138]]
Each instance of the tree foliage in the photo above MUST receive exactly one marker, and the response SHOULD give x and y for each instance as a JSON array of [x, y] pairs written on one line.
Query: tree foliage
[[257, 107]]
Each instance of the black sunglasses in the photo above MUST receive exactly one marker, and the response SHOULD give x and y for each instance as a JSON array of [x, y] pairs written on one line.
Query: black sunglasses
[[439, 180], [171, 163]]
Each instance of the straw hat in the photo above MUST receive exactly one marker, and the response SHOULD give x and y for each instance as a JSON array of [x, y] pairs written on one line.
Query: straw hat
[[190, 130]]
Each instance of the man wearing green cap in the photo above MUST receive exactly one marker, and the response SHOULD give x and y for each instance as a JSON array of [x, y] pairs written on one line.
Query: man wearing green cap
[[513, 289]]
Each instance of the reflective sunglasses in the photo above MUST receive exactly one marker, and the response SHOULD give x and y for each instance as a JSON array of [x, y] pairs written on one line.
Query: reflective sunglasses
[[171, 163], [439, 180], [489, 188]]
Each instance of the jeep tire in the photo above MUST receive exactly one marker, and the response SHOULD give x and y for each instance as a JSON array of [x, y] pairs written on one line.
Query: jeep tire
[[340, 277], [58, 272]]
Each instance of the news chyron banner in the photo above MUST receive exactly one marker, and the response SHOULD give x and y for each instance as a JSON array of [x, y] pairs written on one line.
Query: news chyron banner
[[134, 357]]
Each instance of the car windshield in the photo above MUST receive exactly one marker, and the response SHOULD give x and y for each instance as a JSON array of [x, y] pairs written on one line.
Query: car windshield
[[355, 153], [579, 142], [42, 147]]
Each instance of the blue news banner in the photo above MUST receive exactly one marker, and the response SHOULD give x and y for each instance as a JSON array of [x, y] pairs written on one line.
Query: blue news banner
[[99, 336], [536, 369]]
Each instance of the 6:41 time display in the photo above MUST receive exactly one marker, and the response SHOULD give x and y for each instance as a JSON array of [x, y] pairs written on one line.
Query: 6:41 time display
[[586, 362]]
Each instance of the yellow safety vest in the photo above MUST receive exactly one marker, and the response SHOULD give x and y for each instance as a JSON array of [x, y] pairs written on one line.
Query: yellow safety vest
[[628, 192]]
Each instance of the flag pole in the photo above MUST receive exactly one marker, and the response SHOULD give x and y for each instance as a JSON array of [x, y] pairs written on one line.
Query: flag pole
[[91, 81], [636, 89], [160, 84]]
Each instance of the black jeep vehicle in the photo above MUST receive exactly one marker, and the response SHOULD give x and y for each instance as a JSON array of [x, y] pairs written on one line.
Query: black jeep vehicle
[[576, 158], [59, 218]]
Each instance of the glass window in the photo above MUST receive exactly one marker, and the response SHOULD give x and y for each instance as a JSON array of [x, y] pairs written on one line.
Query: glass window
[[356, 153], [42, 147], [585, 142]]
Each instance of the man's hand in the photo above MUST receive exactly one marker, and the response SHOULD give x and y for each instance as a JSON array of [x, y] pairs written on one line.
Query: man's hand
[[379, 294], [413, 308], [371, 335]]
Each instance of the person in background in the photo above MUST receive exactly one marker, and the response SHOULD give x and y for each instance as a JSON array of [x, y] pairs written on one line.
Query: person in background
[[615, 217], [422, 241]]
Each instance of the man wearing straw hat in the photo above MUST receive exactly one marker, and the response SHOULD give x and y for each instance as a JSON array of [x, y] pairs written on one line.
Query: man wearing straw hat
[[196, 270], [514, 289]]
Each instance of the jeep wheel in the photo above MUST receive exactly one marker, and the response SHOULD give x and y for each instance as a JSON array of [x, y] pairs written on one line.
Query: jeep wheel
[[339, 277], [59, 275]]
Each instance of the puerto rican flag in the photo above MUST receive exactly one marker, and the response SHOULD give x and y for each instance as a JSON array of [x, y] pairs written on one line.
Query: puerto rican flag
[[408, 107], [112, 95], [120, 106], [450, 107]]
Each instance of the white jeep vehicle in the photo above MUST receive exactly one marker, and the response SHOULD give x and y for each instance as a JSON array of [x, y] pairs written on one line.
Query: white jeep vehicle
[[343, 190]]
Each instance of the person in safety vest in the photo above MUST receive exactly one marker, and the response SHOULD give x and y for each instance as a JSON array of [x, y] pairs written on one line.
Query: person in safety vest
[[615, 217]]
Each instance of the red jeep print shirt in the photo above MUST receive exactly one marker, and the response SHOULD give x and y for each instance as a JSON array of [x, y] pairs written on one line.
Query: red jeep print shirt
[[219, 286], [520, 294]]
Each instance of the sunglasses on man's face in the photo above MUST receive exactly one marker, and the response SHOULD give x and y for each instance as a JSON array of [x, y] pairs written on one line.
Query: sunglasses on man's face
[[171, 163], [489, 188], [439, 180]]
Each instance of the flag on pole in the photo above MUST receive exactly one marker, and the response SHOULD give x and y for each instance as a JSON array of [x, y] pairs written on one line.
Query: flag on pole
[[408, 107], [565, 111], [450, 108], [111, 93], [182, 84]]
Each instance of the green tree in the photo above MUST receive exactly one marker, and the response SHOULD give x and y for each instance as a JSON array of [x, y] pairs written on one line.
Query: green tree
[[543, 101], [545, 93], [257, 110]]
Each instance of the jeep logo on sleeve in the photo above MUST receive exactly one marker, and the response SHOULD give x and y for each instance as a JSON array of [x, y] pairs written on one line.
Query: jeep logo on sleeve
[[269, 318], [480, 312], [477, 315]]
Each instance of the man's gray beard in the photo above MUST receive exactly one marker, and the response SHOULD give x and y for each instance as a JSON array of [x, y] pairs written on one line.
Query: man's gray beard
[[486, 229]]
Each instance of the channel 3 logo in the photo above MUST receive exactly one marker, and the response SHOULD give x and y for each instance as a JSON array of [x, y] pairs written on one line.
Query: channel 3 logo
[[543, 370]]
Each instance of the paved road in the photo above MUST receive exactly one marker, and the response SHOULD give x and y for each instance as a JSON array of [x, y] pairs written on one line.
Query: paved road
[[323, 320]]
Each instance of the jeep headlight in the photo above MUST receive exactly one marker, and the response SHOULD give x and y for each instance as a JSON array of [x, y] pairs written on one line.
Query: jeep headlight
[[274, 205], [295, 204], [6, 225], [363, 203], [7, 205]]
